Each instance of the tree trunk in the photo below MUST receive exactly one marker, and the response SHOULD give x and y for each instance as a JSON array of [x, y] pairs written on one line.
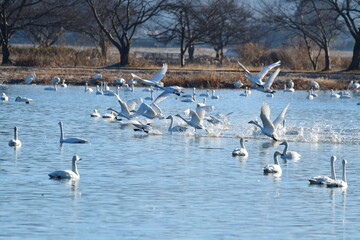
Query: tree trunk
[[191, 51], [124, 55], [327, 59], [5, 53], [182, 58], [354, 65]]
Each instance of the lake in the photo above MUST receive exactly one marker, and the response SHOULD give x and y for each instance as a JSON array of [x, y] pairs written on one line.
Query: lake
[[179, 185]]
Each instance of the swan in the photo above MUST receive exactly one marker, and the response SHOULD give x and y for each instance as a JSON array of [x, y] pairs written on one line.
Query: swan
[[127, 108], [153, 110], [189, 95], [339, 183], [154, 81], [310, 96], [151, 98], [55, 80], [273, 168], [63, 84], [333, 94], [219, 118], [31, 77], [324, 179], [266, 87], [206, 94], [238, 84], [4, 97], [345, 95], [142, 127], [270, 128], [242, 150], [314, 85], [289, 154], [190, 99], [213, 95], [246, 92], [177, 128], [99, 90], [197, 117], [131, 88], [70, 140], [258, 78], [290, 89], [111, 115], [291, 84], [67, 174], [95, 113], [23, 99], [353, 85], [87, 88], [15, 142], [53, 88]]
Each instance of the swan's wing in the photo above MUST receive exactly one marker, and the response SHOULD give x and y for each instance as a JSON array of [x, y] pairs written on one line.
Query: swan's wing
[[271, 79], [266, 69], [244, 68], [169, 90], [123, 105], [195, 119], [265, 116], [202, 110], [156, 109], [279, 120], [144, 109], [131, 104], [160, 75], [137, 77]]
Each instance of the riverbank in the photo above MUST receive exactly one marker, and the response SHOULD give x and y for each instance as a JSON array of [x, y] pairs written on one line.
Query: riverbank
[[199, 78]]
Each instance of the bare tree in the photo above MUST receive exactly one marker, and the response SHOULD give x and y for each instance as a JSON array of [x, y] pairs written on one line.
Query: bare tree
[[227, 22], [120, 19], [181, 23], [349, 11], [307, 19]]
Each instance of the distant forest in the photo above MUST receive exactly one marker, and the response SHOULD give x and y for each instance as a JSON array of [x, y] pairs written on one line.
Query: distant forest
[[258, 32]]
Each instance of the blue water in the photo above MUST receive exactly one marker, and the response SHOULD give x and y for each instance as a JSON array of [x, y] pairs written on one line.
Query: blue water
[[180, 185]]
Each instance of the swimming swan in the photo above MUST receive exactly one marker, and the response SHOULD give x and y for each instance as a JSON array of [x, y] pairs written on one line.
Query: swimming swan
[[324, 179], [4, 97], [70, 140], [67, 174], [289, 154], [213, 95], [273, 168], [95, 113], [270, 128], [242, 150], [177, 128], [339, 183], [15, 142]]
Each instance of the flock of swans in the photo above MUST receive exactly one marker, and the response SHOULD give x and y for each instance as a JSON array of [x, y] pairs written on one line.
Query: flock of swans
[[133, 109]]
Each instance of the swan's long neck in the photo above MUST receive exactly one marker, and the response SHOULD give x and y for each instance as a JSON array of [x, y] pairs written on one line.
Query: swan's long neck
[[344, 172], [256, 124], [152, 94], [183, 119], [61, 132], [74, 167], [242, 143], [285, 148], [333, 175], [171, 123], [276, 160], [16, 136]]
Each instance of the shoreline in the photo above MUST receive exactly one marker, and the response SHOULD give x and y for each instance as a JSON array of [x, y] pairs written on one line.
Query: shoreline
[[188, 78]]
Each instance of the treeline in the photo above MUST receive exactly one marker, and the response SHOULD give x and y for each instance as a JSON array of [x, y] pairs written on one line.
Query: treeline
[[308, 26]]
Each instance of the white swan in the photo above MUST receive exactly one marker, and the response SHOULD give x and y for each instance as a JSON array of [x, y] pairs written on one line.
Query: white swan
[[213, 95], [289, 154], [238, 84], [324, 179], [177, 128], [87, 88], [246, 92], [242, 150], [99, 90], [258, 78], [153, 110], [55, 80], [95, 113], [289, 87], [266, 87], [206, 94], [314, 85], [111, 115], [4, 97], [142, 127], [154, 81], [31, 77], [333, 94], [63, 84], [339, 183], [197, 117], [70, 140], [190, 99], [15, 142], [345, 95], [67, 174], [310, 96], [127, 108], [151, 98], [270, 128], [23, 99], [273, 168]]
